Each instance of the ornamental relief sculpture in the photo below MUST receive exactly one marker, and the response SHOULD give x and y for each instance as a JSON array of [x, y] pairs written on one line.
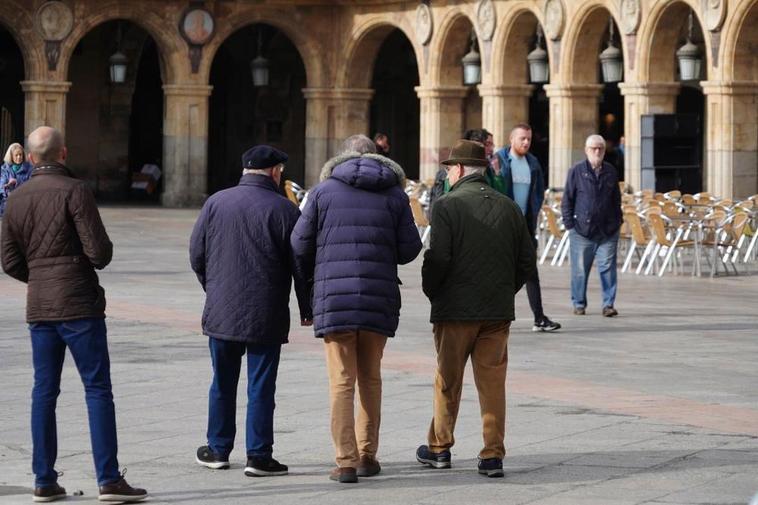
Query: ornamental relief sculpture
[[486, 18], [555, 15], [715, 13], [424, 24], [630, 16]]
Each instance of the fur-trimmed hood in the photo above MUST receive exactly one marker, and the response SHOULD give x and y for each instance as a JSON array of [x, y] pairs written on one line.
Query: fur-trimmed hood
[[366, 171]]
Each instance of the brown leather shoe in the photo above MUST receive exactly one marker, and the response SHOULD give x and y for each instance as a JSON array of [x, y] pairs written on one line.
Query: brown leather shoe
[[49, 493], [610, 312], [368, 466], [345, 475], [121, 491]]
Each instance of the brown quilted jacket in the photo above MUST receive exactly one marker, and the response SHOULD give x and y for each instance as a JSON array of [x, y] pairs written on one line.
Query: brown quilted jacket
[[53, 239]]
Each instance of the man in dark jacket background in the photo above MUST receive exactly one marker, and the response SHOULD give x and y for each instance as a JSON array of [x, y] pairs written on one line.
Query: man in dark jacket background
[[355, 229], [523, 183], [480, 255], [53, 239], [240, 251], [591, 209]]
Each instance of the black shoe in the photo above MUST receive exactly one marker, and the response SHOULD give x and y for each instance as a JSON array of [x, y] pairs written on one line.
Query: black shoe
[[206, 457], [491, 467], [545, 324], [345, 475], [579, 311], [264, 467], [609, 311], [433, 459], [52, 492], [121, 491]]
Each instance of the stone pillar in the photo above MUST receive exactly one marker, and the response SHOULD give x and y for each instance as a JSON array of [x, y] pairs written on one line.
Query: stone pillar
[[504, 106], [573, 117], [45, 104], [332, 115], [441, 125], [732, 138], [639, 99], [185, 144]]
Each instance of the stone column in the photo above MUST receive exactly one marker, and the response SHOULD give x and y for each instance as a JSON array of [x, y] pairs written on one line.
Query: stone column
[[185, 144], [573, 117], [639, 99], [45, 104], [441, 125], [332, 115], [504, 106], [732, 138]]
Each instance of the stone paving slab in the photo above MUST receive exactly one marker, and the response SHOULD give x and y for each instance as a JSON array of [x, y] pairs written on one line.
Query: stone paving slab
[[657, 406]]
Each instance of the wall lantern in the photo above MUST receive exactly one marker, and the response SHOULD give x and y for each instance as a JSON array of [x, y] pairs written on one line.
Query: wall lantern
[[539, 68], [472, 64], [259, 65], [611, 60], [689, 59], [118, 62]]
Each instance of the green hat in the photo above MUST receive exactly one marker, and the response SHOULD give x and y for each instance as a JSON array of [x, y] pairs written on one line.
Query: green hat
[[467, 152]]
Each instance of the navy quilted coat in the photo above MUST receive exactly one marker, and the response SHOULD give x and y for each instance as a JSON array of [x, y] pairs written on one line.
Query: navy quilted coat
[[240, 251], [356, 228]]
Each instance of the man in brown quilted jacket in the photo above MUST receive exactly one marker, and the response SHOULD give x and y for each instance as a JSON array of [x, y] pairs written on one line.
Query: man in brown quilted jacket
[[53, 239]]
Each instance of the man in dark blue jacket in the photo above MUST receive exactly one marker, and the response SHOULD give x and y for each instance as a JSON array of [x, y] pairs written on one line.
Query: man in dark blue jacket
[[355, 229], [240, 251], [523, 183], [591, 209]]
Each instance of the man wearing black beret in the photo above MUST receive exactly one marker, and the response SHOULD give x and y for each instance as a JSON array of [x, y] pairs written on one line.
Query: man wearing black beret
[[240, 251]]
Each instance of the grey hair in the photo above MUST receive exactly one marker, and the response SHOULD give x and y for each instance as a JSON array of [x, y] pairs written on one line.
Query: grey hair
[[45, 143], [9, 153], [360, 144], [470, 170], [594, 139]]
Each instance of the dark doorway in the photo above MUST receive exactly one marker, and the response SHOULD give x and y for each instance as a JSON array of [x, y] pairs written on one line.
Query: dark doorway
[[114, 128], [539, 120], [243, 115], [11, 95], [395, 106], [611, 125]]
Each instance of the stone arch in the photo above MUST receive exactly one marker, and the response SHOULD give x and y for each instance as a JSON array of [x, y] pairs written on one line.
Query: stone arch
[[148, 20], [16, 24], [513, 44], [659, 35], [740, 47], [357, 68], [308, 48], [585, 36], [452, 42]]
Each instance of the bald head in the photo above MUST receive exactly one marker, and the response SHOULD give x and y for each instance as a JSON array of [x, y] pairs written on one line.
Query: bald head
[[46, 146]]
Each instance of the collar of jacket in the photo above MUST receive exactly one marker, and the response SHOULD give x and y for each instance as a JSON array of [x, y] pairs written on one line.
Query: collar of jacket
[[51, 168], [469, 179], [531, 160], [261, 181], [326, 170], [603, 169]]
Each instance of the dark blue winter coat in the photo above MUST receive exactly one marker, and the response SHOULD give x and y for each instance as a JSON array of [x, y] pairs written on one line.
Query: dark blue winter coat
[[240, 251], [536, 186], [591, 203], [355, 229]]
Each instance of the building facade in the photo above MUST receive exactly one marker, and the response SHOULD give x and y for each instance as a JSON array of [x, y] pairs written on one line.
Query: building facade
[[188, 102]]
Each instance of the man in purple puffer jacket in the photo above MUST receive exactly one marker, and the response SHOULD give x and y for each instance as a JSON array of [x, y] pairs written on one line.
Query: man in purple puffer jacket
[[354, 231]]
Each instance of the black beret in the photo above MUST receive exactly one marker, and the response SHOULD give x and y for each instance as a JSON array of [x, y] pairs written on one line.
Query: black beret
[[263, 157]]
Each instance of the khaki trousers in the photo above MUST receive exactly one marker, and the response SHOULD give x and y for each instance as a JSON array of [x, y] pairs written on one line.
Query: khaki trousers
[[487, 344], [351, 356]]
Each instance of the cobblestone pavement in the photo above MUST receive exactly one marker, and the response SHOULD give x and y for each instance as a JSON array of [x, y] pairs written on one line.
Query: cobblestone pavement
[[656, 406]]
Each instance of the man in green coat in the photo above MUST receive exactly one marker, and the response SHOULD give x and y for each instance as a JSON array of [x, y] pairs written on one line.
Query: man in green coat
[[480, 255]]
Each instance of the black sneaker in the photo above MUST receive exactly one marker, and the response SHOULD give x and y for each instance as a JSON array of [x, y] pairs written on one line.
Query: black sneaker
[[121, 491], [49, 493], [207, 458], [545, 324], [433, 459], [491, 467], [264, 467]]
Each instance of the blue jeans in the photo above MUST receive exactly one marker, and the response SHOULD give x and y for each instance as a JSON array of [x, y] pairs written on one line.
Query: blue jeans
[[583, 252], [87, 341], [262, 367]]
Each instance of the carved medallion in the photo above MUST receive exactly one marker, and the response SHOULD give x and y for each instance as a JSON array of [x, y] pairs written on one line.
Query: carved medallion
[[424, 24], [715, 13], [630, 16], [54, 21], [197, 26], [486, 18], [555, 15]]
